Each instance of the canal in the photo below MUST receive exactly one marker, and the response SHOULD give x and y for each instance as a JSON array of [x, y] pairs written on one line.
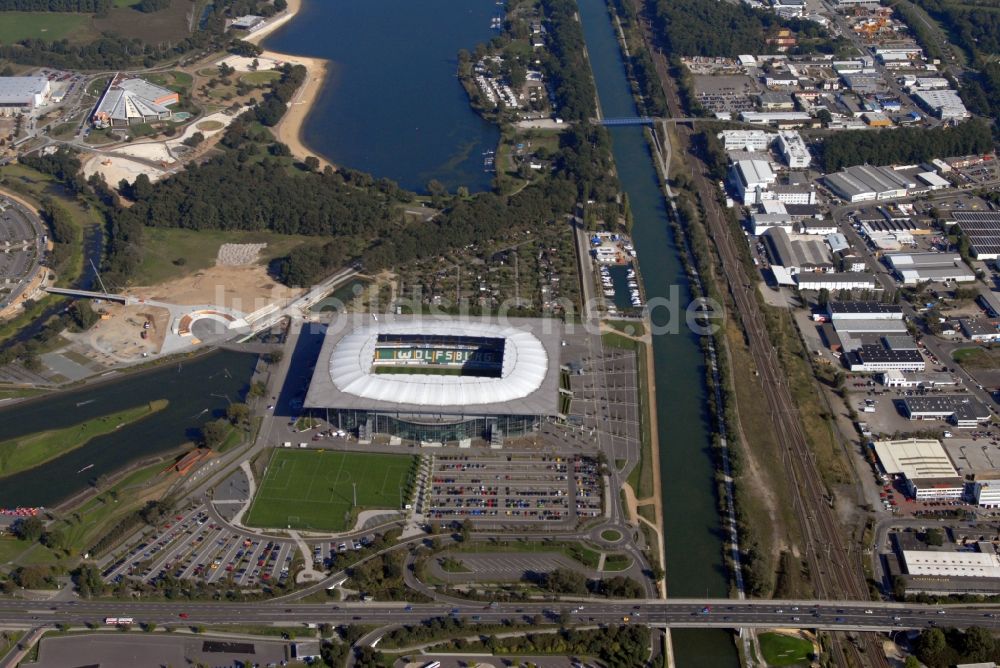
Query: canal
[[197, 389], [692, 528], [392, 104]]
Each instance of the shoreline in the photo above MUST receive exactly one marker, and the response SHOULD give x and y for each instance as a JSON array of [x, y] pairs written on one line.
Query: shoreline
[[290, 129]]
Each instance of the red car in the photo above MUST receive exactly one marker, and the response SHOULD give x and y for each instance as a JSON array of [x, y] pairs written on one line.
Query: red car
[[183, 615]]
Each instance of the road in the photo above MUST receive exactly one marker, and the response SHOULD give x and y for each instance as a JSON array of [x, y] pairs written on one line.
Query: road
[[674, 613]]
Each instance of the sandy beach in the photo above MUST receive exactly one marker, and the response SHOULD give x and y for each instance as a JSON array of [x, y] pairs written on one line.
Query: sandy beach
[[289, 129]]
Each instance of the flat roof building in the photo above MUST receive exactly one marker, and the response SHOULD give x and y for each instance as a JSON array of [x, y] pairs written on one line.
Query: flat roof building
[[945, 104], [20, 94], [746, 140], [952, 564], [793, 150], [863, 183], [836, 281], [962, 410], [797, 255], [864, 311], [750, 177], [928, 379], [982, 229], [874, 357], [925, 466], [980, 330], [916, 268]]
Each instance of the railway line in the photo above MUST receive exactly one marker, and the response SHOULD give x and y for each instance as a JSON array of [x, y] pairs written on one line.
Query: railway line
[[826, 550]]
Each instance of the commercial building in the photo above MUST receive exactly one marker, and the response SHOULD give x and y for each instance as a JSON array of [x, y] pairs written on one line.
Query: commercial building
[[817, 227], [945, 104], [22, 94], [434, 380], [836, 281], [250, 22], [852, 4], [791, 195], [923, 463], [874, 358], [864, 183], [980, 330], [130, 101], [750, 177], [783, 119], [864, 311], [916, 268], [793, 150], [962, 410]]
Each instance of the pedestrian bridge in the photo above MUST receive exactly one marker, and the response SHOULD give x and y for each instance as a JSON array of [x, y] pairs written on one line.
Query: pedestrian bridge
[[90, 294]]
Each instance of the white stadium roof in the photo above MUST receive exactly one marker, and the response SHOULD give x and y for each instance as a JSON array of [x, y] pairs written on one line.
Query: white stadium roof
[[528, 381]]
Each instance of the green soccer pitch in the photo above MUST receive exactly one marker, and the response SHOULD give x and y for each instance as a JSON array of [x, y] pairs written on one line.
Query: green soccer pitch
[[312, 489]]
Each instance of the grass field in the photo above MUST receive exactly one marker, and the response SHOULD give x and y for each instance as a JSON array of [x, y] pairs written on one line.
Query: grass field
[[314, 489], [199, 249], [45, 25], [782, 650], [262, 77], [21, 454], [977, 358], [168, 25]]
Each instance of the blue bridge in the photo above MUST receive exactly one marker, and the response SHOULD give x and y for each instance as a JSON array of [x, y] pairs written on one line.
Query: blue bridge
[[634, 120]]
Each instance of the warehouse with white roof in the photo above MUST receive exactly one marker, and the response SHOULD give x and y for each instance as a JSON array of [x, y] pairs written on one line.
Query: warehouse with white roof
[[438, 379], [22, 94]]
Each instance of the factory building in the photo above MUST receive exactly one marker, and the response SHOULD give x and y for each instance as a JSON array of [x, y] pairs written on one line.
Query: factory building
[[945, 104], [874, 358], [916, 268], [924, 465], [962, 410], [864, 311], [750, 177], [746, 140], [798, 255], [864, 183], [836, 281]]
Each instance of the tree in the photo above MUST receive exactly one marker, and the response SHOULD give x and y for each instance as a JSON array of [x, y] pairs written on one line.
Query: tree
[[28, 528], [238, 414], [88, 581], [214, 433], [934, 537], [312, 163], [274, 357], [54, 539]]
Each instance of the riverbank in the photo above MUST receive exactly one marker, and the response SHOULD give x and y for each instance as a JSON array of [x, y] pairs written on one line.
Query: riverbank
[[290, 129]]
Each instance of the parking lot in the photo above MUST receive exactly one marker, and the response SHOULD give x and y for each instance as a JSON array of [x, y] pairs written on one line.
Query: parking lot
[[514, 488], [191, 546], [19, 248]]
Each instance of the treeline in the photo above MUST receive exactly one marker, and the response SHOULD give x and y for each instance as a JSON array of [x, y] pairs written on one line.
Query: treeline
[[712, 28], [567, 65], [149, 514], [904, 145], [923, 33], [150, 6], [640, 66], [937, 648], [974, 28], [82, 6], [616, 646]]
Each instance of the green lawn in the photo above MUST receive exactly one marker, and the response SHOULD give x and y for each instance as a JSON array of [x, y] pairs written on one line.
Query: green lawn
[[782, 650], [977, 358], [262, 77], [617, 562], [16, 26], [21, 454], [172, 253], [313, 489]]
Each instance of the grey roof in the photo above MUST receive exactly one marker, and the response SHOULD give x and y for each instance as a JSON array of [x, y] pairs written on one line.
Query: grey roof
[[788, 253], [899, 342], [878, 354], [529, 383], [21, 90], [863, 326], [861, 179], [978, 327], [864, 307], [964, 406], [133, 98], [841, 277]]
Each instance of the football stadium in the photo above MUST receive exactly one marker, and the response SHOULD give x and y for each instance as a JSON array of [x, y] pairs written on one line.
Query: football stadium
[[436, 380]]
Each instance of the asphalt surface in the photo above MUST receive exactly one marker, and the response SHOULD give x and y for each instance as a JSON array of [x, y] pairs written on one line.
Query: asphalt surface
[[675, 613]]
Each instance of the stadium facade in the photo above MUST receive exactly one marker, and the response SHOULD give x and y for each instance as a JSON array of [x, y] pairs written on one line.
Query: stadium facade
[[435, 380]]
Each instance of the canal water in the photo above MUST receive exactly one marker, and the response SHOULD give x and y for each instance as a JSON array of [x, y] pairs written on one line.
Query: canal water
[[392, 104], [198, 390], [693, 535]]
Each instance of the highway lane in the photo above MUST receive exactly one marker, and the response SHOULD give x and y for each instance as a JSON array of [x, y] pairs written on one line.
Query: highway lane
[[679, 613]]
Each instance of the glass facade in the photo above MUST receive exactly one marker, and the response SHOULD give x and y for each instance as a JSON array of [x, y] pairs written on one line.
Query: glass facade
[[440, 428]]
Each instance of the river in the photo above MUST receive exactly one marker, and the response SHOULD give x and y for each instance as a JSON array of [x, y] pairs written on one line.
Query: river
[[197, 389], [392, 104], [692, 528]]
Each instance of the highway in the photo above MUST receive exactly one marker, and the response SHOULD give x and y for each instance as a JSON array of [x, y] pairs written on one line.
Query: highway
[[674, 613]]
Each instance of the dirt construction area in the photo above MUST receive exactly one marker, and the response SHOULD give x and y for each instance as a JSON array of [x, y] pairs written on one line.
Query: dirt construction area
[[243, 288], [119, 335]]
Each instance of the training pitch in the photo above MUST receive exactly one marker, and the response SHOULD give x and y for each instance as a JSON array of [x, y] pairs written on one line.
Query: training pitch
[[313, 490]]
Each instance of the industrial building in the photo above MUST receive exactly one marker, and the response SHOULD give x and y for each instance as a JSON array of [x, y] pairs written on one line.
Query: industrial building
[[874, 358], [22, 94], [986, 493], [864, 183], [864, 311], [924, 465], [952, 564], [980, 330], [962, 410], [945, 104], [750, 177], [797, 255], [130, 101], [789, 194], [836, 281], [793, 149], [925, 379], [916, 268], [982, 229], [434, 380]]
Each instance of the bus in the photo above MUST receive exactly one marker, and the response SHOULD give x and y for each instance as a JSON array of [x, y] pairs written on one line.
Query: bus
[[433, 664], [117, 621]]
